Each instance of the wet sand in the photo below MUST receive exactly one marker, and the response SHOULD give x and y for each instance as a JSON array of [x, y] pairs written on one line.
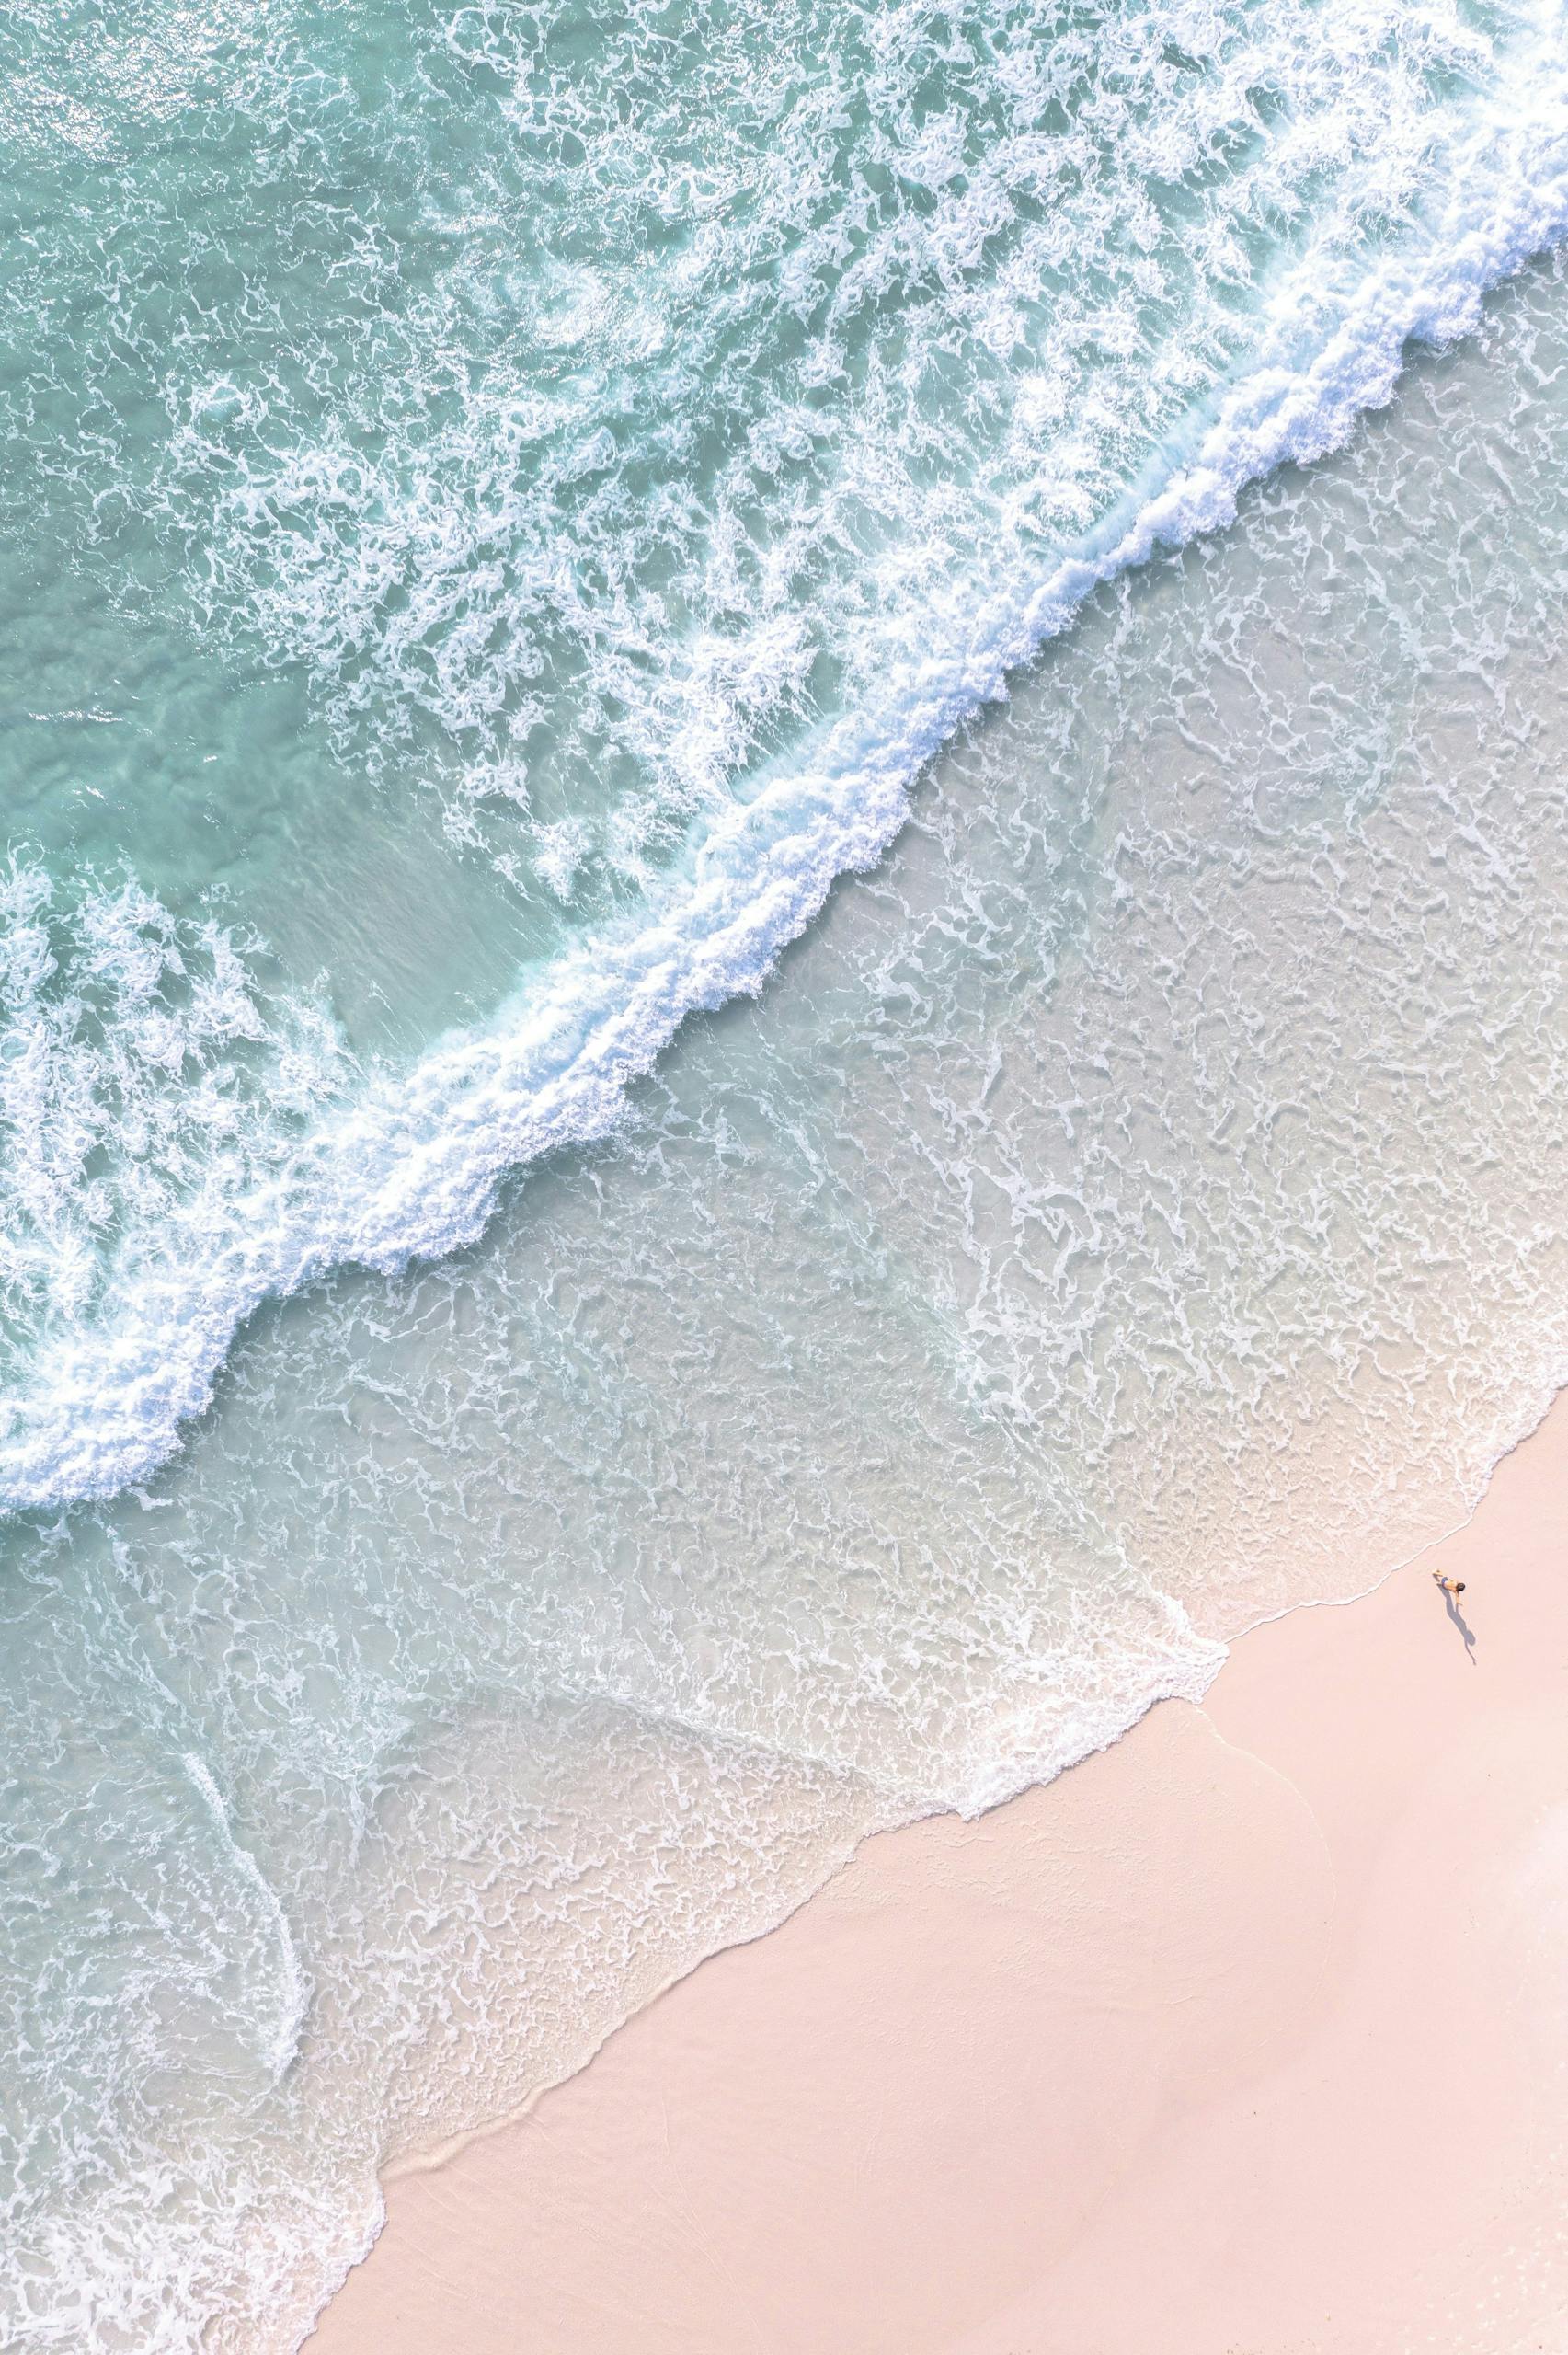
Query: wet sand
[[1249, 2037]]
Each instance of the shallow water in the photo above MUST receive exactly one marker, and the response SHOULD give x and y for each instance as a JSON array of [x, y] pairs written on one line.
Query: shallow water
[[505, 506]]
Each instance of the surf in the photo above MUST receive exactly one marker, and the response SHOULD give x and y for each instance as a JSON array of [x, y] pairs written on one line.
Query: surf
[[405, 1165]]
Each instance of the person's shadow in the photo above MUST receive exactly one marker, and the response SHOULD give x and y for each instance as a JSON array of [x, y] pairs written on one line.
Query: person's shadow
[[1456, 1615]]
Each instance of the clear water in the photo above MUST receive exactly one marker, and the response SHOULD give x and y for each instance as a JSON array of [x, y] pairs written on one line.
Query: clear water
[[503, 507]]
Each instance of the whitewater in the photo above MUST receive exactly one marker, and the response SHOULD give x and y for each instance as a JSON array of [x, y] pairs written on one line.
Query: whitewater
[[410, 1167], [767, 1020]]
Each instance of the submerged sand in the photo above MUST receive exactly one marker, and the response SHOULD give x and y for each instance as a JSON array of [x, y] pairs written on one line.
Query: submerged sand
[[1249, 2037]]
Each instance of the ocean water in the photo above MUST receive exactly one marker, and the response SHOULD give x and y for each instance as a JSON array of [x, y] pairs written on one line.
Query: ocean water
[[782, 990]]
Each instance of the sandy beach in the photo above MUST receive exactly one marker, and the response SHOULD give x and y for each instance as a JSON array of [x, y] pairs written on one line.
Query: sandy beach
[[1249, 2037], [783, 1005]]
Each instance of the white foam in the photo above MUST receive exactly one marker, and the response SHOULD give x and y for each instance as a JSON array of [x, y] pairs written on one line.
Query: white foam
[[412, 1169]]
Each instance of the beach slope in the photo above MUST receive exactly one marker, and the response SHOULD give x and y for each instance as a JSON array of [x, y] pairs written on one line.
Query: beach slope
[[1249, 2037]]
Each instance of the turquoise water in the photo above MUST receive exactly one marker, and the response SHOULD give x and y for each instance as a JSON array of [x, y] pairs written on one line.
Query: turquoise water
[[771, 1017]]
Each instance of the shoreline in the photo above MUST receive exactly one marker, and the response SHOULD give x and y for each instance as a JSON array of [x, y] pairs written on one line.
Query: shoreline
[[1242, 2035]]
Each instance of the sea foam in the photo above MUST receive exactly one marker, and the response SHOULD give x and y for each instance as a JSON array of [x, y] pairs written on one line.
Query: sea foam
[[410, 1166]]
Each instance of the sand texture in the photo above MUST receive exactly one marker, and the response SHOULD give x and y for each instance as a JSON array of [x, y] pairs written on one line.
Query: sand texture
[[1247, 2037]]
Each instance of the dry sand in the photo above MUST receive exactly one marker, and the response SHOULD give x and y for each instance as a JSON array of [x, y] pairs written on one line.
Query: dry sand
[[1247, 2037]]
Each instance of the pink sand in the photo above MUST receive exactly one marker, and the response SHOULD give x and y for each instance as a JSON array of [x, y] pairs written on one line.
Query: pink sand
[[1247, 2037]]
